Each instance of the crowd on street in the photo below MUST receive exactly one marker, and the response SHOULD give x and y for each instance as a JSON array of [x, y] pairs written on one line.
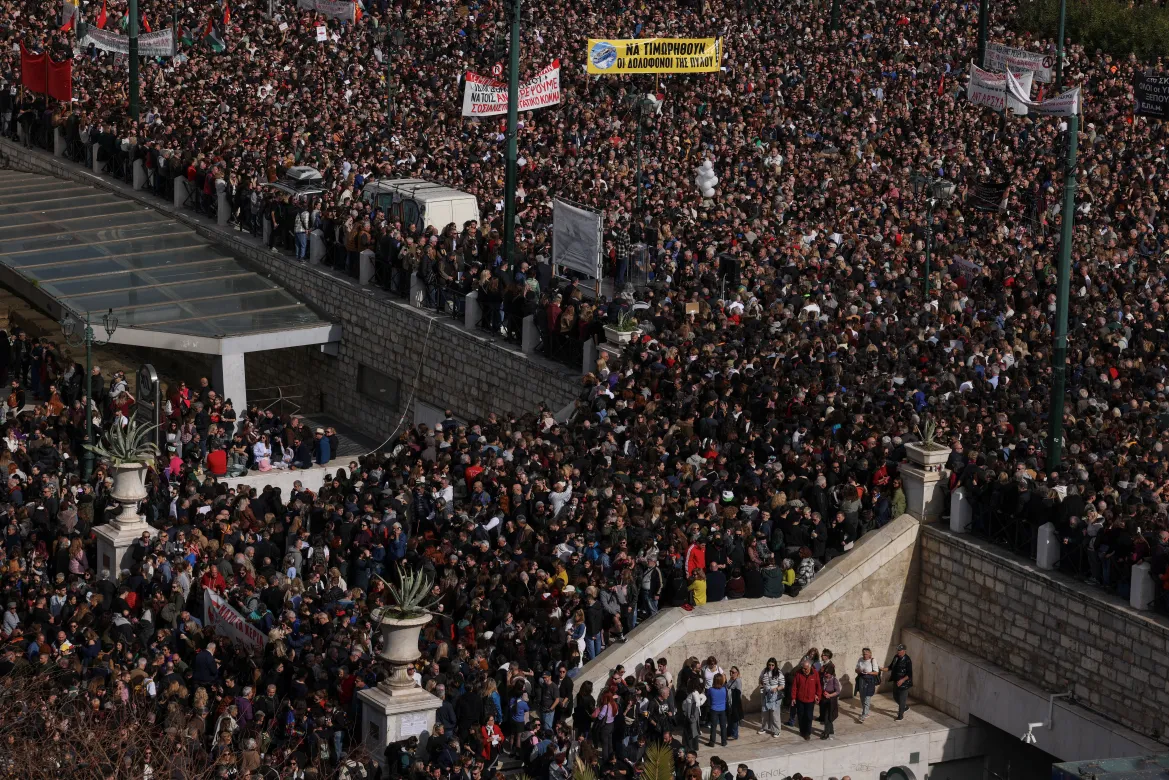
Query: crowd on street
[[752, 433]]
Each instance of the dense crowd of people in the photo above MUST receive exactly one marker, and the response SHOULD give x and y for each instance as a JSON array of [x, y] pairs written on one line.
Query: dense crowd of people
[[751, 433]]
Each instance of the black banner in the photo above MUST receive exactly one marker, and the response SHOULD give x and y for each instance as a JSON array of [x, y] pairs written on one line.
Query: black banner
[[988, 196], [1152, 96]]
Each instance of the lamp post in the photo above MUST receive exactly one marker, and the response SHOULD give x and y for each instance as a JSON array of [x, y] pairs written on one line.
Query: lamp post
[[1059, 352], [513, 105], [644, 103], [70, 326], [394, 39], [983, 23], [835, 24], [133, 56], [940, 192], [1063, 17]]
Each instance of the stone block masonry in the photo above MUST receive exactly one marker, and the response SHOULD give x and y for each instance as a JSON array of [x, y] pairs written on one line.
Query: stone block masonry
[[1047, 629], [397, 344]]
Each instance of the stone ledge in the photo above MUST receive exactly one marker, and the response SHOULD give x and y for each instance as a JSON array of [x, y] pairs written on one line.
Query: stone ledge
[[842, 574], [1034, 579]]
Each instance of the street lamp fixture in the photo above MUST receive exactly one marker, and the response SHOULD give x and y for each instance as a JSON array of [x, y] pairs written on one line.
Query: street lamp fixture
[[647, 106], [78, 334], [939, 192]]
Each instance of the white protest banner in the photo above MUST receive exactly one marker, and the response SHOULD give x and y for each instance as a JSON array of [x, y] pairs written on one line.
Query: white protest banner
[[990, 89], [322, 34], [224, 618], [1067, 104], [576, 238], [1000, 58], [153, 44], [334, 9], [484, 96]]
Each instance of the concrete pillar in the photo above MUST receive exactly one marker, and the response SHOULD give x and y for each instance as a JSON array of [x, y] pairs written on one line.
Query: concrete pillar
[[223, 209], [58, 142], [923, 498], [267, 229], [96, 164], [182, 190], [531, 335], [1047, 556], [589, 363], [417, 292], [472, 312], [229, 380], [365, 266], [961, 513], [139, 174], [316, 246], [1144, 588], [391, 716]]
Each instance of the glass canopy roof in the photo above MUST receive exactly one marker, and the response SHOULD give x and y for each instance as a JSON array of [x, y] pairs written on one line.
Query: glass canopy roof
[[92, 252]]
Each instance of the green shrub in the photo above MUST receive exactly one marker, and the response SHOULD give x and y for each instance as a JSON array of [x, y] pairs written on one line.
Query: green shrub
[[1116, 28]]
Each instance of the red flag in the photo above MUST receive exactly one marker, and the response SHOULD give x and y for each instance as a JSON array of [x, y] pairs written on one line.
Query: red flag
[[102, 17], [146, 24], [32, 70], [68, 24], [1042, 89], [941, 85], [357, 12], [61, 80], [210, 26], [226, 14]]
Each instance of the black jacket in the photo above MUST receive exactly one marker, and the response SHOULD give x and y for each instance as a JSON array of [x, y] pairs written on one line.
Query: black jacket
[[901, 666]]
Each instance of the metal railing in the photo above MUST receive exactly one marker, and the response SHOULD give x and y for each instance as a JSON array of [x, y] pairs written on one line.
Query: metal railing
[[287, 402]]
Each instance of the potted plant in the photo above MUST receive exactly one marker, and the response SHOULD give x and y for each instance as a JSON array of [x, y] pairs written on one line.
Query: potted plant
[[928, 453], [624, 330], [402, 620], [130, 449]]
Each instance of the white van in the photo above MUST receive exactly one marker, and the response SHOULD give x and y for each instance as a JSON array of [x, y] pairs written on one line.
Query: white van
[[422, 203]]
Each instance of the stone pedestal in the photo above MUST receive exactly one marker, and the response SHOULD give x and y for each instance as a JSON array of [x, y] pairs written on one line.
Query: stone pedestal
[[182, 190], [923, 497], [471, 310], [1047, 554], [589, 363], [96, 165], [530, 335], [1143, 589], [114, 540], [222, 210], [58, 142], [267, 230], [316, 247], [417, 292], [389, 715], [961, 513], [365, 266], [139, 175]]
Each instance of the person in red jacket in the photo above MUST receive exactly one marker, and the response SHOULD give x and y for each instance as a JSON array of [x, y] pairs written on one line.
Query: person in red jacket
[[695, 556], [806, 692]]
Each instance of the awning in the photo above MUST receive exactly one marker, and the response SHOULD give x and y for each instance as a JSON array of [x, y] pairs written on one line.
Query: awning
[[71, 248]]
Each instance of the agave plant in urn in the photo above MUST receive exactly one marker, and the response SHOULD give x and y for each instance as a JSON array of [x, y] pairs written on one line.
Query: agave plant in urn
[[401, 622], [130, 449]]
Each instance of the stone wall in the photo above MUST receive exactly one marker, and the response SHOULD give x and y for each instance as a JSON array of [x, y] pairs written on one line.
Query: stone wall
[[455, 368], [861, 599], [1048, 629]]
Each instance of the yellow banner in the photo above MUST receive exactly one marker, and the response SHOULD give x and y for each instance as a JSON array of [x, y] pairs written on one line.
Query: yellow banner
[[610, 56]]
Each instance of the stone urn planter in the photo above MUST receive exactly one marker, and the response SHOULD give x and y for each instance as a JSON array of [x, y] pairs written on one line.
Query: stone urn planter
[[129, 490], [621, 337], [927, 457], [400, 647]]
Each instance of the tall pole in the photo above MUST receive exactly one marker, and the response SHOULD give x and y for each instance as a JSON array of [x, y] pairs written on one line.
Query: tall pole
[[513, 106], [86, 455], [929, 246], [389, 74], [836, 15], [983, 23], [640, 121], [1063, 17], [1059, 354], [133, 55]]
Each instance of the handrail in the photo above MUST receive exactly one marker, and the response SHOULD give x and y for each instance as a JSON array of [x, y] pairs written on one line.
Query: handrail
[[280, 398]]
